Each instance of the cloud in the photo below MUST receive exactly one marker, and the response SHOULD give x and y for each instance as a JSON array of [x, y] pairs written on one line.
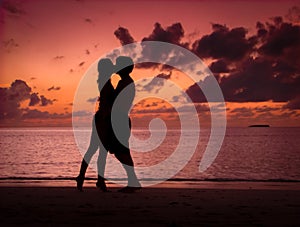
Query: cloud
[[293, 14], [219, 66], [230, 44], [123, 36], [37, 114], [81, 113], [280, 39], [293, 104], [164, 76], [12, 7], [242, 112], [53, 88], [273, 75], [45, 101], [81, 64], [172, 34], [92, 100], [10, 44], [162, 109], [12, 97], [88, 20], [156, 83], [59, 57], [265, 109], [195, 91], [249, 68], [34, 99]]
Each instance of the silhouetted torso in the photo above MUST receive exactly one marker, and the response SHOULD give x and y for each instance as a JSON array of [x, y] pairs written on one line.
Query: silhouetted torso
[[127, 88], [103, 115], [106, 100]]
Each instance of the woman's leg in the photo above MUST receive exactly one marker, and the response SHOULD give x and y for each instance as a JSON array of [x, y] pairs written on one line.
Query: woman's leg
[[93, 147]]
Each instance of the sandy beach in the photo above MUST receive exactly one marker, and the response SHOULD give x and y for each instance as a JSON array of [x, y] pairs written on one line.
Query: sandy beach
[[216, 204]]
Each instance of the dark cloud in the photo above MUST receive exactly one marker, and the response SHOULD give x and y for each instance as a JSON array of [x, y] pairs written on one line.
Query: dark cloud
[[19, 91], [124, 36], [12, 7], [87, 52], [293, 104], [223, 42], [200, 108], [156, 83], [207, 86], [34, 99], [242, 112], [37, 114], [262, 67], [12, 97], [45, 101], [59, 57], [92, 100], [264, 109], [219, 66], [10, 44], [274, 75], [162, 109], [280, 38], [81, 113], [293, 14], [172, 34], [88, 20], [164, 76], [53, 88]]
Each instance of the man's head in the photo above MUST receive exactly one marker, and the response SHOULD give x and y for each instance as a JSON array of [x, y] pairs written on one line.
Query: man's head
[[124, 66]]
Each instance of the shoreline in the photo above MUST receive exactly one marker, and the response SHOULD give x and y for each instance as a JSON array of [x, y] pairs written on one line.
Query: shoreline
[[182, 184]]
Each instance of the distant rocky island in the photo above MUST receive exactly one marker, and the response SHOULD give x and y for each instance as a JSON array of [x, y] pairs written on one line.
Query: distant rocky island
[[259, 126]]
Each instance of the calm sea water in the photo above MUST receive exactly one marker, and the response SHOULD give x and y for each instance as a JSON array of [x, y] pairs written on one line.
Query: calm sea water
[[246, 154]]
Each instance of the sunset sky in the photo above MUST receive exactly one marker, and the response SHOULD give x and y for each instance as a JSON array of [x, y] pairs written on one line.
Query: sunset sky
[[252, 47]]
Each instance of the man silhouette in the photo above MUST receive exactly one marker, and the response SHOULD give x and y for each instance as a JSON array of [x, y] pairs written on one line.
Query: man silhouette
[[121, 123]]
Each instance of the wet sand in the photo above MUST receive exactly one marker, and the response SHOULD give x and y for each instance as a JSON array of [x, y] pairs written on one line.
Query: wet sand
[[237, 204]]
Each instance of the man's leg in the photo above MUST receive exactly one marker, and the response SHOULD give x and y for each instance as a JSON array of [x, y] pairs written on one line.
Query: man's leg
[[127, 162], [101, 168]]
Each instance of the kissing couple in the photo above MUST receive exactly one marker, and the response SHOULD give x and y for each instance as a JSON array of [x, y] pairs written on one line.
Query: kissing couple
[[111, 124]]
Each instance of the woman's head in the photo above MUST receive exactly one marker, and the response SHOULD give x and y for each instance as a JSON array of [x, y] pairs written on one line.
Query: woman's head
[[105, 67]]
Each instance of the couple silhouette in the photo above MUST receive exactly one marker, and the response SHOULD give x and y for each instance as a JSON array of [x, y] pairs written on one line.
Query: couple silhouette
[[111, 124]]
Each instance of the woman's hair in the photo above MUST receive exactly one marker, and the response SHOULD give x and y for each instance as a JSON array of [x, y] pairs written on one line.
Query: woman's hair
[[105, 69]]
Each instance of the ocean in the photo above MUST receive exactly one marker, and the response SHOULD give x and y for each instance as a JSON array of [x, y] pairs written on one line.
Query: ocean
[[247, 154]]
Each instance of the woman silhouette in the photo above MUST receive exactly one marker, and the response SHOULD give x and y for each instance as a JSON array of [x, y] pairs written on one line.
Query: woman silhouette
[[101, 126]]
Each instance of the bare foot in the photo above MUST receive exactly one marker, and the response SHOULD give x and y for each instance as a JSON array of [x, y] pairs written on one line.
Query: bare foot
[[79, 181]]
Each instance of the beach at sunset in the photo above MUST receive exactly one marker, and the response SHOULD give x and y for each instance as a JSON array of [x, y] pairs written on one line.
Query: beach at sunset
[[180, 204], [186, 111]]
